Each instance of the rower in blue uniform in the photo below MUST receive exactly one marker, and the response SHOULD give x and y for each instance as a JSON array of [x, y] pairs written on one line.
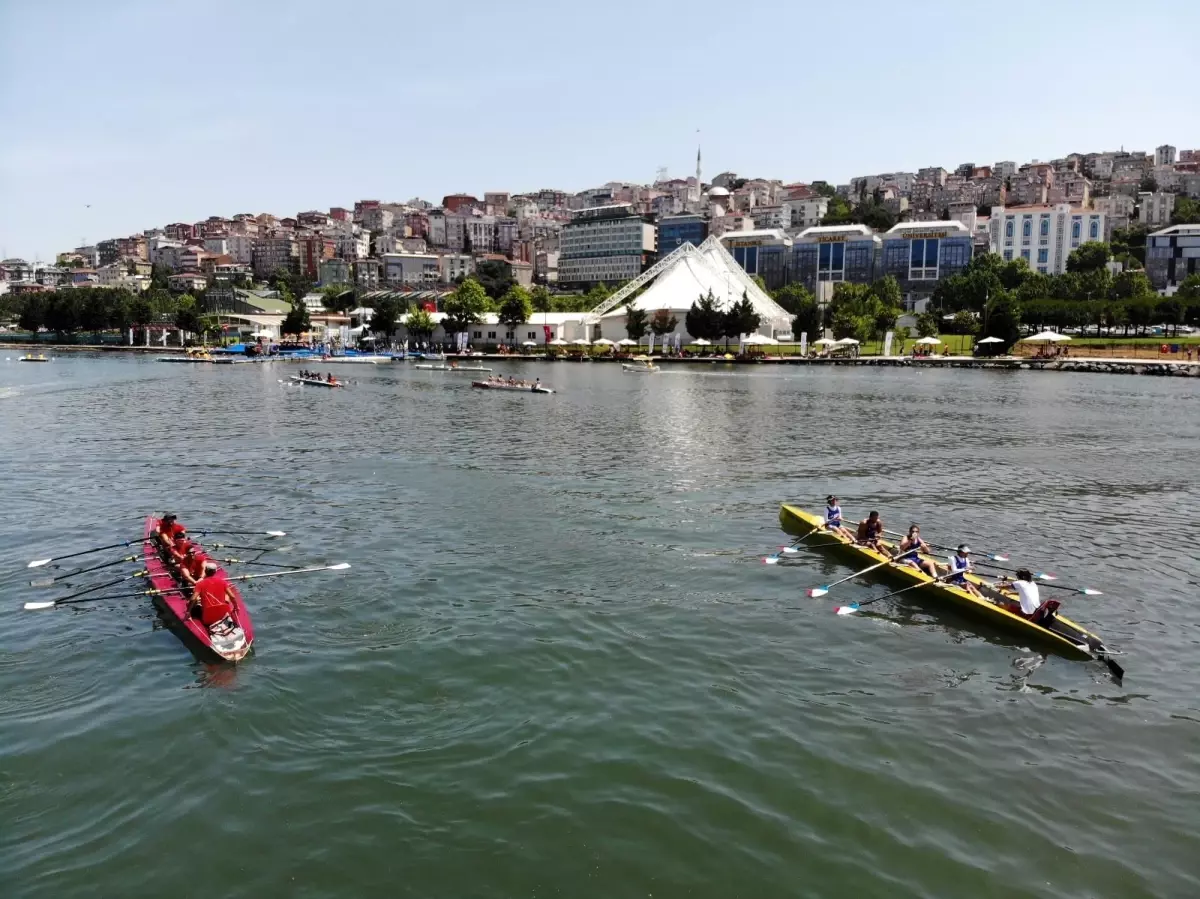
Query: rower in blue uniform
[[910, 550], [960, 564], [833, 519]]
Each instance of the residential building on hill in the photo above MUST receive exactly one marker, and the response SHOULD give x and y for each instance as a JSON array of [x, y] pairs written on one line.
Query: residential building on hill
[[1154, 209], [334, 271], [409, 268], [270, 254]]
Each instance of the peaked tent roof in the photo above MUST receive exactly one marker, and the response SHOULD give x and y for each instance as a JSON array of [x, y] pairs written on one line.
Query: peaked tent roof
[[678, 280]]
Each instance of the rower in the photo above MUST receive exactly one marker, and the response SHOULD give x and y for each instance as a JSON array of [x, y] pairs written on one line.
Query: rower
[[213, 596], [179, 547], [1028, 597], [960, 564], [910, 550], [191, 567], [870, 532], [167, 528], [833, 519]]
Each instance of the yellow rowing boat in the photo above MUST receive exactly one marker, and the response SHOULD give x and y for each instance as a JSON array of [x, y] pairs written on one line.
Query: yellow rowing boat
[[1062, 633]]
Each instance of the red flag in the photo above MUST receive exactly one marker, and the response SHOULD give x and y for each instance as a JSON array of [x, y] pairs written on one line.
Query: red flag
[[430, 307], [546, 331]]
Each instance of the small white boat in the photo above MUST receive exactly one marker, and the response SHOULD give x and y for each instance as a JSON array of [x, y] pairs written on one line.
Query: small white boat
[[642, 365], [433, 367]]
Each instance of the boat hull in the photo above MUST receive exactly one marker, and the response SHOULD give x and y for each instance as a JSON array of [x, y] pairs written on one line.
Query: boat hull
[[313, 382], [798, 522], [512, 388], [174, 609]]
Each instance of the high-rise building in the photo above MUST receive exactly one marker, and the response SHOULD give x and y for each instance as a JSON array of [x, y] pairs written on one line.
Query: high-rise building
[[605, 243], [1044, 236]]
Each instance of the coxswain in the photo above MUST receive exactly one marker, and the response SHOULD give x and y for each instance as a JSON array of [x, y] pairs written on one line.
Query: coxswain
[[960, 565], [870, 532], [910, 550], [212, 597], [833, 519]]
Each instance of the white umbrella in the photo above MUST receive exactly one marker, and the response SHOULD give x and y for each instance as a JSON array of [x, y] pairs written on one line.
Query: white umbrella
[[558, 341], [1046, 337], [992, 340], [604, 341], [581, 341], [929, 341], [846, 341], [529, 343], [627, 342], [760, 340], [700, 341], [824, 341], [262, 334]]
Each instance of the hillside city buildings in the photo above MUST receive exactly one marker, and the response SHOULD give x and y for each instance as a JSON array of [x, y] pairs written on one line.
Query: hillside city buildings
[[925, 225]]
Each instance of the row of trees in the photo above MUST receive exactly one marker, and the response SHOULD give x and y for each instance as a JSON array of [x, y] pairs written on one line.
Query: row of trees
[[707, 321], [97, 309]]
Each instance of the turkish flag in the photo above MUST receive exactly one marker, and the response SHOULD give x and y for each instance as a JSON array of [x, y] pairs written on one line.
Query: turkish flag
[[546, 331], [430, 307]]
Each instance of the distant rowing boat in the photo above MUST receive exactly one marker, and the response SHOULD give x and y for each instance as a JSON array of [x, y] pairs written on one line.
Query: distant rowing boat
[[29, 357], [432, 367], [316, 382], [519, 388]]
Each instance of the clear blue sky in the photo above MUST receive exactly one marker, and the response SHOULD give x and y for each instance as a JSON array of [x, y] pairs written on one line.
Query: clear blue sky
[[154, 112]]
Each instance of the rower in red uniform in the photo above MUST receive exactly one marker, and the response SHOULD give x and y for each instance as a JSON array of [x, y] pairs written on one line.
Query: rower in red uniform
[[167, 528], [179, 548], [212, 597], [191, 568]]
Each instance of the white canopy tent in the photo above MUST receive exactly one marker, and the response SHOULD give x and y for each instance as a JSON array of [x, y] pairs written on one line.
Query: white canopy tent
[[824, 341], [700, 341], [928, 341], [626, 341], [1045, 337], [846, 341], [991, 340]]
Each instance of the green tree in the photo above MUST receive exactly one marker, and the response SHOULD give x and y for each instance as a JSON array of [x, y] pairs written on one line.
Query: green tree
[[964, 322], [928, 324], [704, 320], [597, 295], [64, 309], [465, 307], [1129, 284], [541, 299], [385, 316], [419, 324], [495, 277], [663, 322], [187, 315], [807, 318], [851, 311], [874, 216], [839, 212], [338, 298], [794, 297], [1088, 257], [740, 318], [1185, 212], [762, 285], [32, 314], [887, 305], [636, 322], [1131, 242], [160, 276], [516, 308], [297, 320], [1002, 318]]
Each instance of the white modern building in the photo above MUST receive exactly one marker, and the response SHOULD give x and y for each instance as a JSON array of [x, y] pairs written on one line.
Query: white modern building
[[605, 243], [1044, 236], [1164, 155], [807, 213], [409, 268], [241, 248], [454, 265]]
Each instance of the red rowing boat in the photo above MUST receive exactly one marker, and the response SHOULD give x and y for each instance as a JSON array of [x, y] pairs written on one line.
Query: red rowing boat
[[229, 640]]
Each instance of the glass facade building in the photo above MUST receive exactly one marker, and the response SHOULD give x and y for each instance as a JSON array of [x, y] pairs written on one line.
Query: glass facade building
[[835, 254], [919, 255], [676, 230], [765, 253]]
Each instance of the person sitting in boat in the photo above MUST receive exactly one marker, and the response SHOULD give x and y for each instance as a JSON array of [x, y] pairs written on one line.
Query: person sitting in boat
[[833, 518], [910, 550], [179, 547], [191, 567], [329, 377], [960, 564], [1029, 599], [167, 528], [212, 597], [870, 532]]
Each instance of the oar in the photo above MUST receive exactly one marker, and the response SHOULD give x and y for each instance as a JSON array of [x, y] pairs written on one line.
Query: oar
[[1041, 576], [256, 562], [999, 557], [38, 563], [46, 582], [30, 606], [245, 533], [774, 559], [855, 606], [253, 549], [96, 587], [822, 590]]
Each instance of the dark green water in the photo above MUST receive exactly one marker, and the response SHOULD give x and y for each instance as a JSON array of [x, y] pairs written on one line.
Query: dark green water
[[558, 667]]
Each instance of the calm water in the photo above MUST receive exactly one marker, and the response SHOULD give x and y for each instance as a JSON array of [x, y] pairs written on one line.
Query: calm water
[[558, 667]]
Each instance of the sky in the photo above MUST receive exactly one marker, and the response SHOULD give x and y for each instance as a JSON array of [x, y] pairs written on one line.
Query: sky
[[124, 115]]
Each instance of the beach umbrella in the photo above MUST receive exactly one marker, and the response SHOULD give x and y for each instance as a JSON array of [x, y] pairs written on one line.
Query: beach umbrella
[[846, 341], [992, 340], [529, 343], [604, 341], [1045, 337], [760, 340], [824, 341], [929, 341], [700, 341], [627, 342], [581, 341], [558, 341]]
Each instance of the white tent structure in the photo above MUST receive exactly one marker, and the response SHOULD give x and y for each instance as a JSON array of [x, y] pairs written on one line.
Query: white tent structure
[[678, 280]]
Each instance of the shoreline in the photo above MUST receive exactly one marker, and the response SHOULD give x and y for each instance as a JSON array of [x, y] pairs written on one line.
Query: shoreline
[[1091, 364]]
